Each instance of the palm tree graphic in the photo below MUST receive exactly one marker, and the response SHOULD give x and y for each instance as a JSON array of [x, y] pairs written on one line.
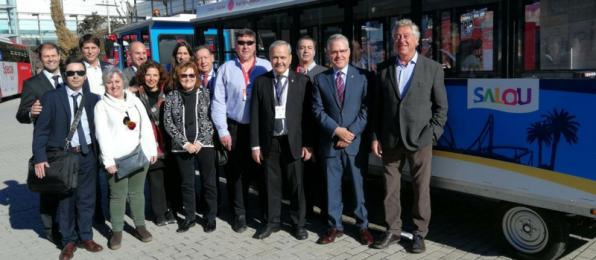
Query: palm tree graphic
[[560, 123], [539, 132]]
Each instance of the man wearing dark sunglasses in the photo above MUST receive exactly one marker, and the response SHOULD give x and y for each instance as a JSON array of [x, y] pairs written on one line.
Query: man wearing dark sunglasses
[[231, 117], [76, 209]]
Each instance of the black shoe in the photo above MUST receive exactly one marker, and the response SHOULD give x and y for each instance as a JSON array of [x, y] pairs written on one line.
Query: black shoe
[[239, 225], [267, 231], [186, 225], [209, 226], [388, 239], [160, 221], [170, 218], [300, 233], [418, 244]]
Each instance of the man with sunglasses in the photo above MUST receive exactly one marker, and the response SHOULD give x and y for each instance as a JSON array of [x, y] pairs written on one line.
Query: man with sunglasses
[[230, 111], [75, 210]]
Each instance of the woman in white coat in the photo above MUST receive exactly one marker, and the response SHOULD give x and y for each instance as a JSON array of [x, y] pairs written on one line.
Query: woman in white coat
[[122, 125]]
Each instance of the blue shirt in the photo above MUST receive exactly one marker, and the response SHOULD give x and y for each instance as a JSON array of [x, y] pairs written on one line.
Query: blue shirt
[[84, 121], [228, 94], [403, 74]]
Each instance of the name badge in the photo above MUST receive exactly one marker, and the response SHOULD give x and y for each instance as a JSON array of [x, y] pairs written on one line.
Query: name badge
[[280, 112]]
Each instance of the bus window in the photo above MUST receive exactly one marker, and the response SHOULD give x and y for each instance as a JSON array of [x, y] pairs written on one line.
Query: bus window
[[369, 51], [449, 38], [426, 36], [476, 40], [167, 43], [559, 36]]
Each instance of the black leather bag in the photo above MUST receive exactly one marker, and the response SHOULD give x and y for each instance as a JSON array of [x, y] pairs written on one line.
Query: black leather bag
[[134, 162], [61, 176]]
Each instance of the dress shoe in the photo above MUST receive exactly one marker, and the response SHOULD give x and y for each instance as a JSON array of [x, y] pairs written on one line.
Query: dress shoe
[[160, 221], [388, 239], [143, 234], [365, 237], [186, 225], [91, 246], [209, 226], [300, 233], [170, 218], [267, 231], [116, 240], [418, 245], [330, 236], [68, 252], [239, 225]]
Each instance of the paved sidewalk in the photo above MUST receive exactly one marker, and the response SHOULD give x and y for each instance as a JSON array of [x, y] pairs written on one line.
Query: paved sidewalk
[[461, 227]]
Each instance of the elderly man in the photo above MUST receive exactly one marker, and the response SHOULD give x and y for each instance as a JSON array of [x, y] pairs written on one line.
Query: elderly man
[[409, 114], [306, 51], [230, 111], [340, 109], [138, 54], [280, 136], [75, 210]]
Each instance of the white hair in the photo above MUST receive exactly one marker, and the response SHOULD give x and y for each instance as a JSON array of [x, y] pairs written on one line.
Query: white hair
[[409, 23], [280, 43], [338, 37]]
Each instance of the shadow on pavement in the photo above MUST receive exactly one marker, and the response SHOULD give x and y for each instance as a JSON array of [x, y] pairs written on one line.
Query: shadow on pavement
[[23, 207]]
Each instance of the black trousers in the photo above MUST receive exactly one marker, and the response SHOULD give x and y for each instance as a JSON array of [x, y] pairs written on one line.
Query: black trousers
[[157, 188], [48, 207], [241, 169], [280, 169], [186, 164]]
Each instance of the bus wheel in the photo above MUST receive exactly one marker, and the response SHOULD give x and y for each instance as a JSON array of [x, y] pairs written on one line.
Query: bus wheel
[[531, 233]]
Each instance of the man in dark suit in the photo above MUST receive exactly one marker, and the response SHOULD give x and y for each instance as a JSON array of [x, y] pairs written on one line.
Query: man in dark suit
[[138, 55], [280, 127], [29, 109], [340, 109], [75, 210], [408, 117]]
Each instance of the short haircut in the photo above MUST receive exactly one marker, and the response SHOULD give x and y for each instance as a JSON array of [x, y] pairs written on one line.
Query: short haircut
[[408, 23], [306, 38], [110, 74], [280, 43], [184, 66], [163, 75], [178, 46], [47, 46], [245, 32], [202, 47], [74, 59], [338, 37], [89, 38]]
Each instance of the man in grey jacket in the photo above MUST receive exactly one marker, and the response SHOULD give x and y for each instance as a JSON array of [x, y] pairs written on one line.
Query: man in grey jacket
[[408, 117]]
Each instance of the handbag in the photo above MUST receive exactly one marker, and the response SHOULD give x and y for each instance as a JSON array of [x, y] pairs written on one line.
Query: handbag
[[135, 161], [61, 176]]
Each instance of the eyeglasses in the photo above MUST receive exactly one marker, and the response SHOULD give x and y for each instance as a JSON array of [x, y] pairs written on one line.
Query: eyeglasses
[[191, 76], [247, 43], [71, 73]]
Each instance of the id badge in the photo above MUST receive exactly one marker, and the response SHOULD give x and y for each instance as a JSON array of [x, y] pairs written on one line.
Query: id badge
[[280, 112]]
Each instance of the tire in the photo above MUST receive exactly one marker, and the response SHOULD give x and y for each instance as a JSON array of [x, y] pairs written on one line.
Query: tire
[[532, 233]]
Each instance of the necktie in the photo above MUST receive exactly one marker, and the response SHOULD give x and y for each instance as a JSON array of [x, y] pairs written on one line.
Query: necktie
[[56, 82], [341, 86], [278, 125], [80, 133], [205, 80]]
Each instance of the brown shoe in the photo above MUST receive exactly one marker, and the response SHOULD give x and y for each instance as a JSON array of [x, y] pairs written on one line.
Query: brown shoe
[[330, 236], [90, 246], [116, 240], [365, 237], [68, 252], [143, 234]]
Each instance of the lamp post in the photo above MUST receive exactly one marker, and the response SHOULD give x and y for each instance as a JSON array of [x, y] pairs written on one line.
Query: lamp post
[[38, 27], [108, 14]]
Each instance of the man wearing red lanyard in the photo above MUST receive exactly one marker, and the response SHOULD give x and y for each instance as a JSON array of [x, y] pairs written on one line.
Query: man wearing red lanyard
[[230, 111]]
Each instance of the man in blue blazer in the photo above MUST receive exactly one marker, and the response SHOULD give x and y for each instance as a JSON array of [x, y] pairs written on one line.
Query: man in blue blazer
[[75, 210], [340, 108]]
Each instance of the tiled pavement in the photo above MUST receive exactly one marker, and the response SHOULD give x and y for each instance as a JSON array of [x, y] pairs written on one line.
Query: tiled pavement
[[462, 226]]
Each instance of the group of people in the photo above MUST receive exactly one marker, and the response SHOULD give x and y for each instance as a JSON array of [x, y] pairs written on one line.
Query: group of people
[[270, 121]]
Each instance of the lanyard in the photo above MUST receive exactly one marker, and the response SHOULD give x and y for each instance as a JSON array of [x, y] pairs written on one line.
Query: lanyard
[[246, 75]]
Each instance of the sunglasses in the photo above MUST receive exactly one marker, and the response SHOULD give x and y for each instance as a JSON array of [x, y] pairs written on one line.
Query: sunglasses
[[71, 73], [191, 76], [247, 43]]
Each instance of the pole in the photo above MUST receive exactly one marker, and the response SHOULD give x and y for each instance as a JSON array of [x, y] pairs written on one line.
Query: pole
[[108, 13]]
